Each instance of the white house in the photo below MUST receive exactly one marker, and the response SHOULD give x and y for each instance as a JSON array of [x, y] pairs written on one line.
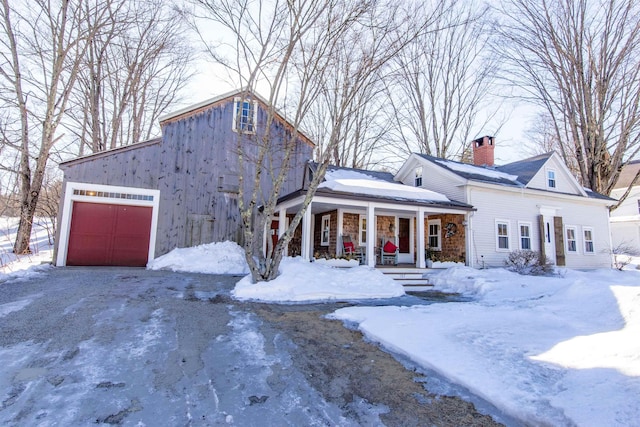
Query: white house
[[534, 204], [625, 220]]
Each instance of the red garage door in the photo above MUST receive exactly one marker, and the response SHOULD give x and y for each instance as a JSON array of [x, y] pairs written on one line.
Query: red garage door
[[103, 234]]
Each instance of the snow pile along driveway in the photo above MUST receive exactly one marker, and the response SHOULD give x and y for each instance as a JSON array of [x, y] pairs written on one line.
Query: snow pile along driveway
[[547, 350], [211, 258], [309, 281]]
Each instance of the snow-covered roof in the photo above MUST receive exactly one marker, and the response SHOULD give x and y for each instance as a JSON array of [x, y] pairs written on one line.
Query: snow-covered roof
[[477, 170], [516, 174], [362, 183]]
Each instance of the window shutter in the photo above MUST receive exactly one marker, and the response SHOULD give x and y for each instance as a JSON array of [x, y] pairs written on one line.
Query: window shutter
[[543, 255], [559, 235]]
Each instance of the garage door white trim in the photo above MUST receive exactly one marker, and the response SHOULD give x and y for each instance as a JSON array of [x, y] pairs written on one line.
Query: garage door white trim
[[107, 194]]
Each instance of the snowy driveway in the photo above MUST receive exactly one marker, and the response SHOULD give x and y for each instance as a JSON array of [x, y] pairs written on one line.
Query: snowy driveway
[[135, 347]]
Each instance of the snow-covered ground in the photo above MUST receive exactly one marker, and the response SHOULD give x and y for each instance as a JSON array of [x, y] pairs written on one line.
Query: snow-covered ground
[[559, 350], [15, 266], [547, 350]]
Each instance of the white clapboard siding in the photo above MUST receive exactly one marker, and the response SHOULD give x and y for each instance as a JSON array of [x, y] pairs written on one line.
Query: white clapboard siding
[[494, 204]]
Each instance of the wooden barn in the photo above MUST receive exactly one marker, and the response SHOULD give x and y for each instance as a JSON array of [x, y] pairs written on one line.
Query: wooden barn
[[129, 205]]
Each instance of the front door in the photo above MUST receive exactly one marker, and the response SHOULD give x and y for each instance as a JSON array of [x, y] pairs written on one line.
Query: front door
[[549, 238], [274, 232], [404, 231]]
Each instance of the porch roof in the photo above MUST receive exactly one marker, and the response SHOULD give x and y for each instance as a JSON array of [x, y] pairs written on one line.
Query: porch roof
[[387, 199]]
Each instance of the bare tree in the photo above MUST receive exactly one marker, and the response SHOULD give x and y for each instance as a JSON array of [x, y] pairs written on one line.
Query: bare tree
[[133, 70], [439, 93], [363, 132], [41, 48], [49, 201], [292, 49], [580, 61], [542, 138]]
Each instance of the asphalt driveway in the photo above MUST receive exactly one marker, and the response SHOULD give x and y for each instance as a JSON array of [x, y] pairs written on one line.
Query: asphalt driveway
[[82, 346]]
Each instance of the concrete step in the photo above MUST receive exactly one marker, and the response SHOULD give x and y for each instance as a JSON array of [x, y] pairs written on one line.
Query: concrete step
[[418, 288], [411, 278]]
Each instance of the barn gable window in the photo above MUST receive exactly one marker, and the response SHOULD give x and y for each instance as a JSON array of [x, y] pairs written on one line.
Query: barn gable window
[[245, 115]]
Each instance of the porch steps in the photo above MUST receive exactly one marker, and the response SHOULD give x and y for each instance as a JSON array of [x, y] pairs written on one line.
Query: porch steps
[[413, 279]]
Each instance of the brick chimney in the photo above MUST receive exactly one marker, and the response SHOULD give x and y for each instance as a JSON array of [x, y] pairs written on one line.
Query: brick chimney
[[483, 151]]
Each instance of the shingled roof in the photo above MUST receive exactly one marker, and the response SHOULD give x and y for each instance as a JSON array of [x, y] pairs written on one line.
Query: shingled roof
[[515, 174]]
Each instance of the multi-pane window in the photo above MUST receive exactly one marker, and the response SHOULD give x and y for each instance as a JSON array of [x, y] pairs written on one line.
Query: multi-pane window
[[572, 244], [418, 178], [434, 234], [551, 179], [244, 116], [588, 240], [525, 235], [363, 230], [325, 230], [502, 235]]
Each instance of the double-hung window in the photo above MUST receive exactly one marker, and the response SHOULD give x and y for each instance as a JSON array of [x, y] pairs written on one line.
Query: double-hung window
[[434, 234], [551, 178], [244, 115], [571, 239], [325, 230], [418, 179], [362, 230], [525, 235], [502, 235], [588, 240]]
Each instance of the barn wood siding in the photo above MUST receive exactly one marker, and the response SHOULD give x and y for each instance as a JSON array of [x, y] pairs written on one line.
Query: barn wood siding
[[196, 169]]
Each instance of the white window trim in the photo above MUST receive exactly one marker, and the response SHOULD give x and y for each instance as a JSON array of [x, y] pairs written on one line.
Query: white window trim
[[584, 241], [508, 236], [566, 239], [234, 124], [520, 236], [361, 218], [70, 197], [555, 179], [325, 219], [437, 222]]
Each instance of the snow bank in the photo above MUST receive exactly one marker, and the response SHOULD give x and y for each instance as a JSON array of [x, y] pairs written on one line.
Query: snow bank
[[211, 258], [300, 280], [560, 350], [14, 266]]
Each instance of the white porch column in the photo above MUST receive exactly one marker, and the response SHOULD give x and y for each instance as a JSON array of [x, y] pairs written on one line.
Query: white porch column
[[371, 236], [306, 235], [339, 232], [282, 226], [420, 263], [468, 237]]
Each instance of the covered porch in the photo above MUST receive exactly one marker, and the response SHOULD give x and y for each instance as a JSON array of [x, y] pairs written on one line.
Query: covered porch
[[418, 228]]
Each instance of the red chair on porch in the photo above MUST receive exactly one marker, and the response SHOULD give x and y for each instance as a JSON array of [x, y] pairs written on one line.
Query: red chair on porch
[[350, 249], [388, 252]]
